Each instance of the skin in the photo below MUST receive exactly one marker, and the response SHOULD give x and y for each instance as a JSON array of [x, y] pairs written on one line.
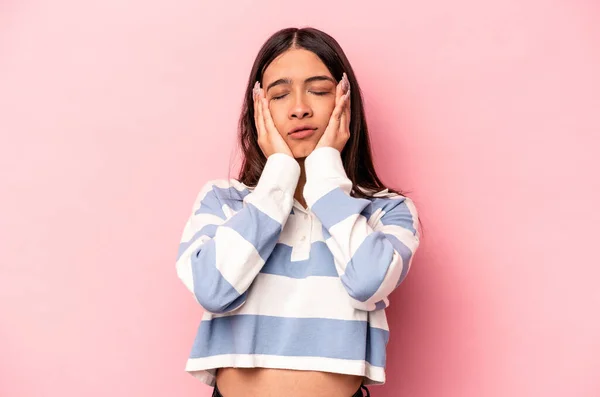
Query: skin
[[277, 111], [280, 107]]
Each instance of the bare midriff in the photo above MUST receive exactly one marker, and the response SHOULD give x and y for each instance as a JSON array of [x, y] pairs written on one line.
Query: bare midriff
[[269, 382]]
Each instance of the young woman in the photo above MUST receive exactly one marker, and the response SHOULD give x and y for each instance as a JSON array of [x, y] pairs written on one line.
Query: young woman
[[294, 260]]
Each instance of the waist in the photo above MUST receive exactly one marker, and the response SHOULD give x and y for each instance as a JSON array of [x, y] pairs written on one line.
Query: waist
[[243, 382]]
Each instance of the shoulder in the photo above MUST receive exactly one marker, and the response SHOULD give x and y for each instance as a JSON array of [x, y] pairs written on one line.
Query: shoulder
[[392, 207], [222, 190], [386, 198]]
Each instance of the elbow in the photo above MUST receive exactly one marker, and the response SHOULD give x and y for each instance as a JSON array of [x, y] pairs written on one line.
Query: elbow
[[367, 284], [369, 305], [214, 293], [211, 290], [369, 298], [219, 303], [363, 295], [369, 290]]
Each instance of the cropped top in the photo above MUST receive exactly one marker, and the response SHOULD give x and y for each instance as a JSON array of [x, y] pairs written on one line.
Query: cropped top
[[283, 286]]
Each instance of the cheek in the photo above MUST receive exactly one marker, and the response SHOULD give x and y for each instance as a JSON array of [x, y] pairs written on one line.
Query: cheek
[[324, 110], [279, 116]]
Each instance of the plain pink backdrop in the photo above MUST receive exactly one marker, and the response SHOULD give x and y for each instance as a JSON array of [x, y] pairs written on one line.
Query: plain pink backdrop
[[113, 114]]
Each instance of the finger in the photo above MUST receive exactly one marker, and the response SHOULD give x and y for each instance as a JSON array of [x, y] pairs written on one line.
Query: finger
[[261, 119], [256, 105], [345, 84], [347, 110], [255, 109], [339, 92], [343, 119], [337, 112], [267, 116]]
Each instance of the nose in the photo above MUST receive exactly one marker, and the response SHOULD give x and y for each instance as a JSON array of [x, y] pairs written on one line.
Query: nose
[[300, 109]]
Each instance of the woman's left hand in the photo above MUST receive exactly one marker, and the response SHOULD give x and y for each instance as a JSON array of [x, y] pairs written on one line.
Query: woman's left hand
[[338, 130]]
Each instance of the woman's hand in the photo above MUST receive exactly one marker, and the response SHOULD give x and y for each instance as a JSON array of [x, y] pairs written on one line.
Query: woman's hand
[[338, 130], [269, 139]]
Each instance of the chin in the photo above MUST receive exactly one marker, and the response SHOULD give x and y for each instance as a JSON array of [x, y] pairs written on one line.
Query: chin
[[303, 150]]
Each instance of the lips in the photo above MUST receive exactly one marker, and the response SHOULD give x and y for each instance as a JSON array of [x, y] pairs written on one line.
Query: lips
[[302, 128]]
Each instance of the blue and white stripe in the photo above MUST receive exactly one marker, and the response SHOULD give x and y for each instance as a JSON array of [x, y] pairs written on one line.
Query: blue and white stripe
[[232, 232], [286, 287], [372, 241]]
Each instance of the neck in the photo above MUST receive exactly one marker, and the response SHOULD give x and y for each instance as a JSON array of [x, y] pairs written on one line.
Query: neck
[[301, 182]]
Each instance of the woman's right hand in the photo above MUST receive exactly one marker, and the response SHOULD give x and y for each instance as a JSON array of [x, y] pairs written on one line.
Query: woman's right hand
[[269, 139]]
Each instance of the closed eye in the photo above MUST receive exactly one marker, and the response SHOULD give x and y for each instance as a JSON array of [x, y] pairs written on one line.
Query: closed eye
[[313, 92]]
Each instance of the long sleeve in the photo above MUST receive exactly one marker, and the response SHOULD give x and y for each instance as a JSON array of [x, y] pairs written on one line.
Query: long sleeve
[[220, 254], [372, 242]]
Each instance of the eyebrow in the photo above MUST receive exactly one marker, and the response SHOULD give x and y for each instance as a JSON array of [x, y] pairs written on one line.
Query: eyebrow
[[308, 80]]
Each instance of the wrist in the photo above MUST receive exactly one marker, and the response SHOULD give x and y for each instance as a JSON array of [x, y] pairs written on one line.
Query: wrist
[[324, 173]]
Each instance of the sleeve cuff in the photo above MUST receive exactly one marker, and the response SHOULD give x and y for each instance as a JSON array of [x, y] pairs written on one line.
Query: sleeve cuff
[[274, 192], [281, 171], [324, 172]]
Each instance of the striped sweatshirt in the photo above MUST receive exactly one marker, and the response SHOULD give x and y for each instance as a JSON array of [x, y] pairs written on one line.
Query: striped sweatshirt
[[283, 286]]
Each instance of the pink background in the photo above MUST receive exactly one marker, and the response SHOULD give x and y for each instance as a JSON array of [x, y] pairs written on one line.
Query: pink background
[[113, 114]]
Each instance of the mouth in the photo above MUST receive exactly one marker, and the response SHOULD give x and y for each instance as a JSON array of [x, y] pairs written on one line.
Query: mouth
[[305, 132], [302, 134]]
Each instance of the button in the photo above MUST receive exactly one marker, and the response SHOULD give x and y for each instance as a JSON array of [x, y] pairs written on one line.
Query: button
[[303, 238], [305, 216]]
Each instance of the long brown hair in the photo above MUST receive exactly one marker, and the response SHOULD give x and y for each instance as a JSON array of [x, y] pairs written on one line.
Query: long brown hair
[[356, 155]]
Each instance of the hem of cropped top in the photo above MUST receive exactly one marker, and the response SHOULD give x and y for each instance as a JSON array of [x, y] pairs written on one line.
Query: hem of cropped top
[[204, 369]]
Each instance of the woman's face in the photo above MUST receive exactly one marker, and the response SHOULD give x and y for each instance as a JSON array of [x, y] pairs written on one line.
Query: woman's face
[[301, 92]]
